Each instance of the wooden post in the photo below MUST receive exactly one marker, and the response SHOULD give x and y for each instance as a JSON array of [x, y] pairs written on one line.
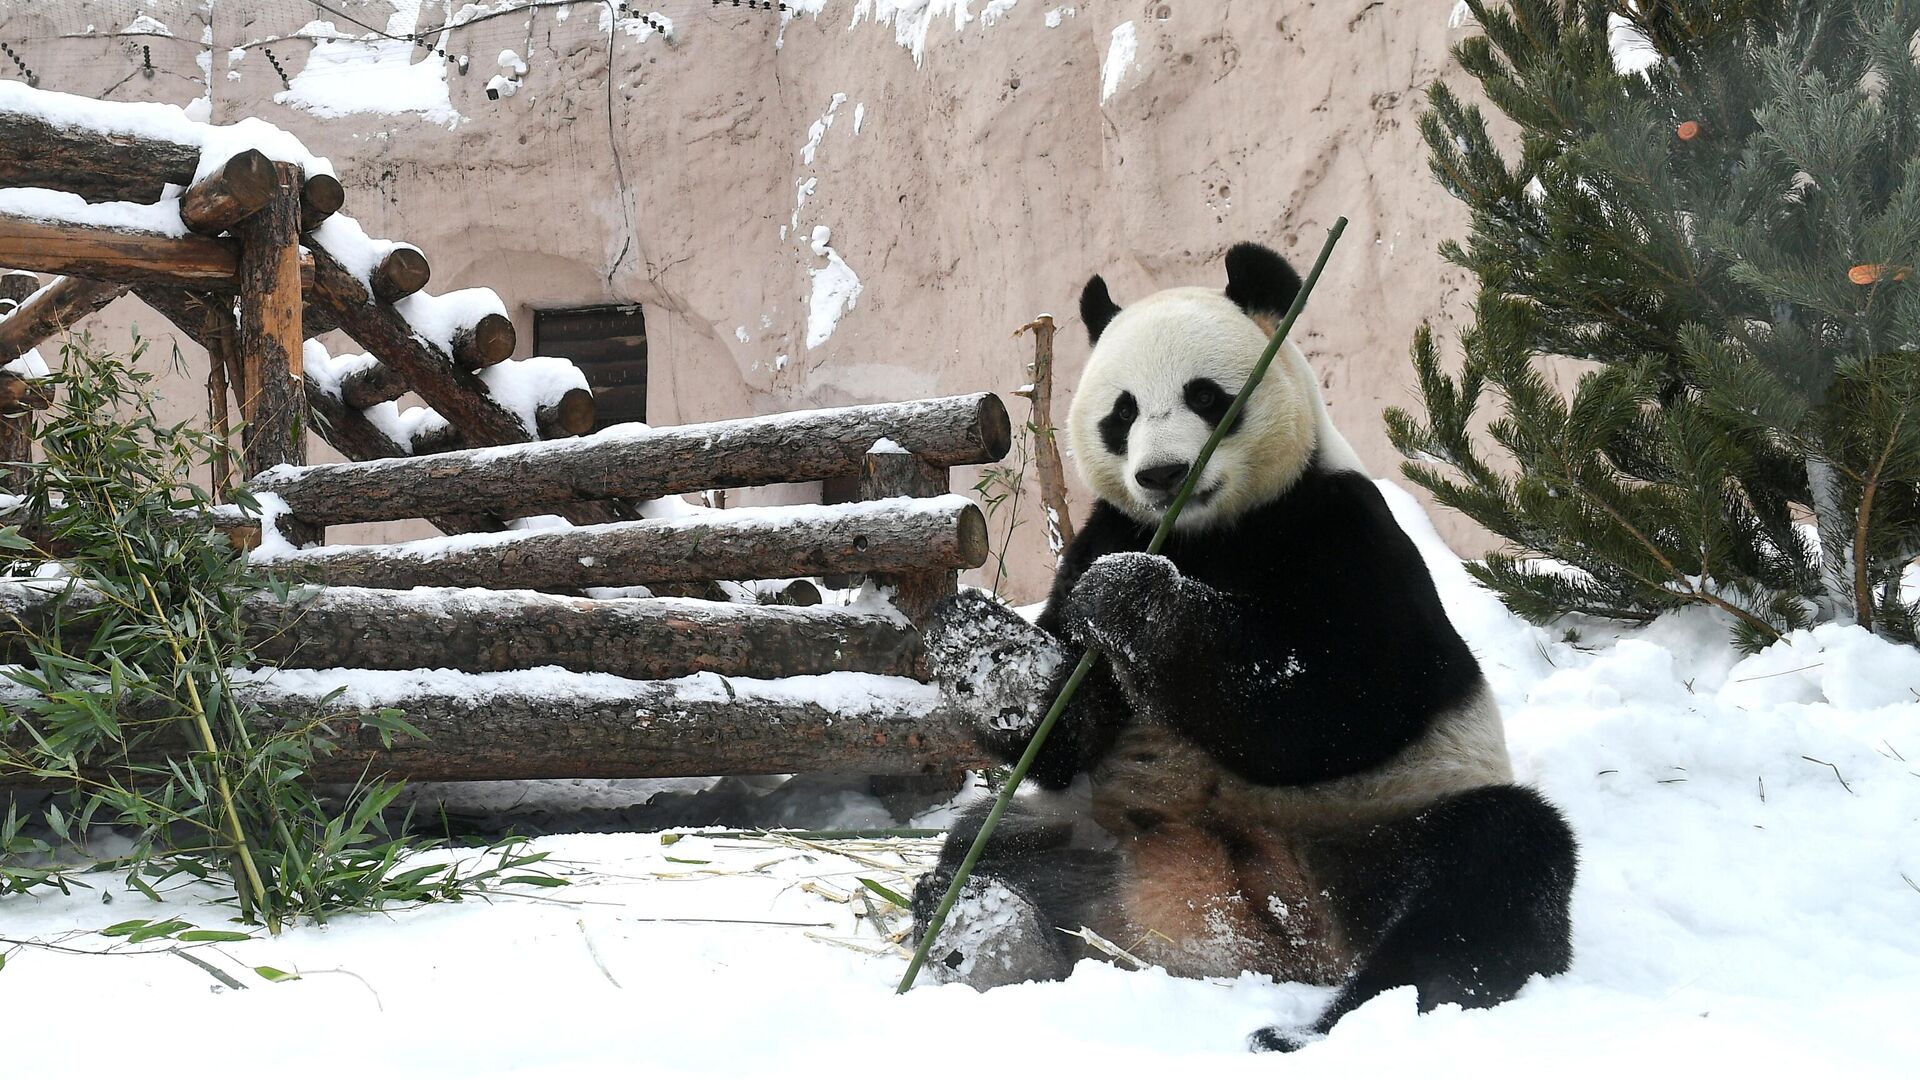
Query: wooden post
[[915, 594], [274, 407], [19, 398], [1046, 445], [221, 347]]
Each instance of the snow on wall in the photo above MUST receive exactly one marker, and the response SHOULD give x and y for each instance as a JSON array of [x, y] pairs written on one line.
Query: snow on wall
[[345, 75], [836, 288], [1122, 46]]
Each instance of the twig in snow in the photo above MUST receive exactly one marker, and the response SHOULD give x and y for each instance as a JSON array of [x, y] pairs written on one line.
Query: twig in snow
[[1789, 671], [594, 954], [229, 981], [1909, 881], [1105, 946], [1836, 772], [1762, 781]]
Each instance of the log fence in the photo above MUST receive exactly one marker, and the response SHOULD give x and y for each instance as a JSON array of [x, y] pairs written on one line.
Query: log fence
[[486, 642]]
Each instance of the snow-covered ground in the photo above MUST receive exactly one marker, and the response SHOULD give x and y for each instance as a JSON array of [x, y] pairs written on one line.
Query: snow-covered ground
[[1747, 907]]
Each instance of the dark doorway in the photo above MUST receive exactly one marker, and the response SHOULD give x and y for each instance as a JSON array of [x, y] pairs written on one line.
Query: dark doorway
[[609, 345]]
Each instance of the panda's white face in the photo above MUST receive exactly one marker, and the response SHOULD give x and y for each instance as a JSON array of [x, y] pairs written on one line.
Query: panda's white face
[[1161, 377]]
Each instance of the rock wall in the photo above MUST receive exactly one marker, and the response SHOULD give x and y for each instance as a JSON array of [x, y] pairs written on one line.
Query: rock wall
[[855, 201]]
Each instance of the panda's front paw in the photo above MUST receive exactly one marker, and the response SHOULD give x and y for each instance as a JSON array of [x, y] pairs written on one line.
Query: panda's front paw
[[994, 665], [1120, 602]]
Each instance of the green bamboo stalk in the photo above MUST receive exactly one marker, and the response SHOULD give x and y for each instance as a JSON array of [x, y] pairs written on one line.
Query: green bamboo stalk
[[1088, 658]]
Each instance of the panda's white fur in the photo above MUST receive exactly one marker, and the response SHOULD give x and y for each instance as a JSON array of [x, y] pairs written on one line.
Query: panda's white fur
[[1152, 349]]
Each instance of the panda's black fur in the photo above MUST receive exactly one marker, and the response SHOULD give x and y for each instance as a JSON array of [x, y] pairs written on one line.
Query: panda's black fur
[[1257, 679]]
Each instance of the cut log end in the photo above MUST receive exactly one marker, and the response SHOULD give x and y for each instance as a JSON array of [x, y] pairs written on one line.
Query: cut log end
[[321, 196], [573, 414], [19, 394], [485, 343], [228, 195], [403, 272], [971, 537], [996, 427]]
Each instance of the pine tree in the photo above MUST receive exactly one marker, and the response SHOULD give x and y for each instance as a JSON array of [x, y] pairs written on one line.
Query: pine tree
[[1721, 246]]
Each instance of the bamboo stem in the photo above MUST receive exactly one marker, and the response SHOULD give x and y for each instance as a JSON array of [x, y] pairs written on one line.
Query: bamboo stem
[[1088, 658]]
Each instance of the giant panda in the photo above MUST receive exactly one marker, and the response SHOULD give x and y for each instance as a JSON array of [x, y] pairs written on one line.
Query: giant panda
[[1287, 760]]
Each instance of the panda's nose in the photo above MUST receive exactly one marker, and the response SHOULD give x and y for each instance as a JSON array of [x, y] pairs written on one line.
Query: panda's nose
[[1162, 477]]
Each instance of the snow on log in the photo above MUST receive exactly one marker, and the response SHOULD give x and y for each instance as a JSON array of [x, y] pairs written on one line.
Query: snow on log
[[320, 198], [573, 414], [543, 724], [97, 165], [453, 392], [627, 462], [891, 535], [227, 195], [369, 383], [481, 630], [59, 305]]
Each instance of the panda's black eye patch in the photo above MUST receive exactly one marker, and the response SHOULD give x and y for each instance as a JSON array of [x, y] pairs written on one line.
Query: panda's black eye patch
[[1209, 402], [1119, 419]]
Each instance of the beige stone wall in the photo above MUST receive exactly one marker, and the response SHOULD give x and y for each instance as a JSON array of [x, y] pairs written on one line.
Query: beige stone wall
[[987, 178]]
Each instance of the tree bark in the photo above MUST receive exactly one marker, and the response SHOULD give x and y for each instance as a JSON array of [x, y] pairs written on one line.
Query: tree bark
[[365, 387], [270, 336], [454, 393], [63, 303], [17, 285], [573, 414], [489, 727], [101, 167], [514, 482], [223, 198], [482, 631], [899, 535]]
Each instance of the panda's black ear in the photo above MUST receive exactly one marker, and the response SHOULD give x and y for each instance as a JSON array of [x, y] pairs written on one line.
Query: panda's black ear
[[1261, 282], [1097, 308]]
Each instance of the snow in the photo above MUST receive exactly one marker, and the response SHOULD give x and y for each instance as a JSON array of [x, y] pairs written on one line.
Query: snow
[[65, 207], [375, 74], [438, 318], [522, 386], [1058, 15], [819, 129], [351, 247], [146, 24], [836, 288], [28, 364], [1745, 907], [859, 116], [1632, 52], [1122, 45], [913, 19]]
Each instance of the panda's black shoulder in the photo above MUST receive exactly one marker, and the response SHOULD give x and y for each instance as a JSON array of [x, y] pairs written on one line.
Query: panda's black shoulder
[[1106, 530]]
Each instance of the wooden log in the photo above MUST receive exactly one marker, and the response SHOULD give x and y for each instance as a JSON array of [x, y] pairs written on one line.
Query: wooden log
[[343, 428], [496, 727], [102, 167], [915, 591], [477, 630], [453, 392], [400, 273], [573, 414], [369, 385], [486, 342], [224, 197], [17, 285], [57, 308], [21, 394], [270, 335], [795, 447], [771, 542], [118, 255], [16, 451], [320, 198]]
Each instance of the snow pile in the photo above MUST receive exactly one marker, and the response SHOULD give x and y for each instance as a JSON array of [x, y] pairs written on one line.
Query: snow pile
[[1747, 906], [64, 207], [522, 386], [439, 318], [912, 19], [373, 74]]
